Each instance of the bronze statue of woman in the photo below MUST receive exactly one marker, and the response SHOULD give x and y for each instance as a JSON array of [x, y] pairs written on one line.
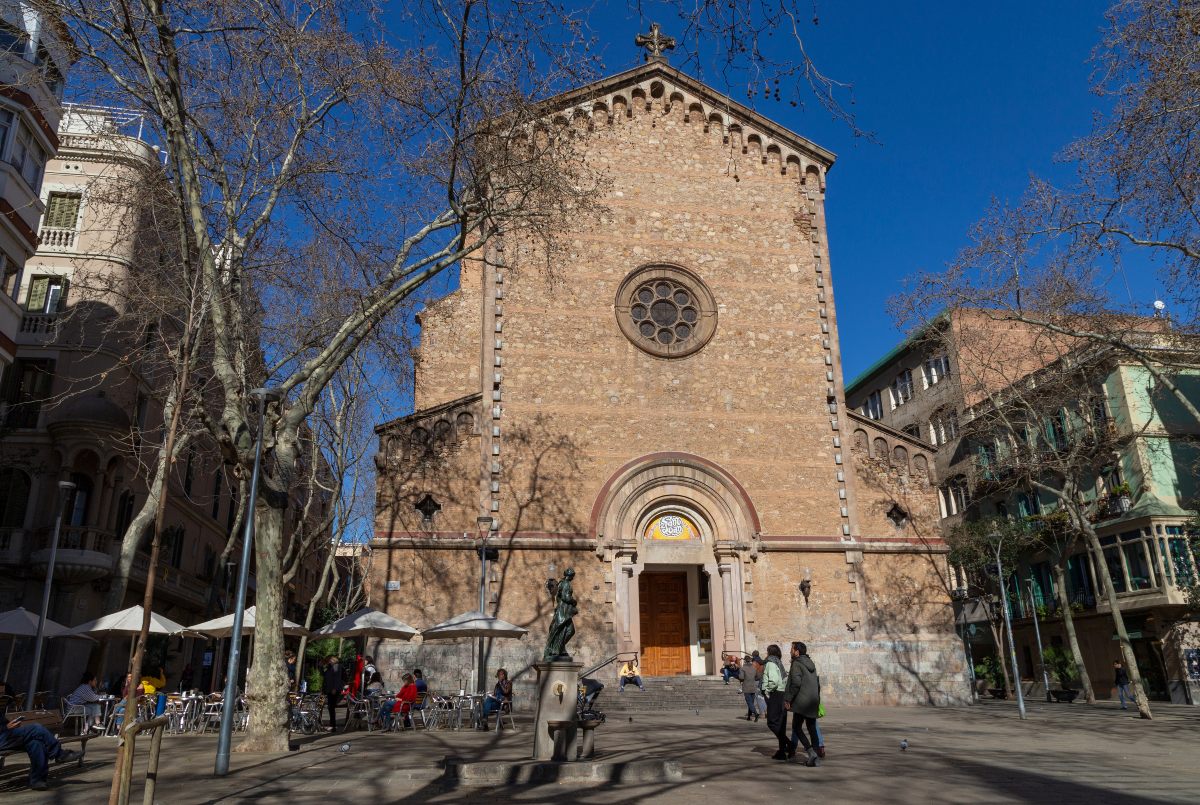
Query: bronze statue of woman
[[562, 627]]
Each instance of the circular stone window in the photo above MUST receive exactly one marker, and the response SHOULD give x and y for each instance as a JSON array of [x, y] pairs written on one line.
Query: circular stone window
[[666, 310]]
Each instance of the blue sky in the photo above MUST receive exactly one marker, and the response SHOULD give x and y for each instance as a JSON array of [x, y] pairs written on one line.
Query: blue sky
[[966, 100]]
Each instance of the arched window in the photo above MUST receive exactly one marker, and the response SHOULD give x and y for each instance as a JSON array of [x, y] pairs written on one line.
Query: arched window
[[124, 513], [78, 509], [14, 497]]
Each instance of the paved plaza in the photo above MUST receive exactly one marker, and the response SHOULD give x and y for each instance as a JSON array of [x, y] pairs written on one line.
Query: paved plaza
[[1062, 754]]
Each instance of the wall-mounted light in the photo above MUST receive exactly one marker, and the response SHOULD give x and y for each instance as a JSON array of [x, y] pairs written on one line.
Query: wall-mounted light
[[552, 579], [806, 590]]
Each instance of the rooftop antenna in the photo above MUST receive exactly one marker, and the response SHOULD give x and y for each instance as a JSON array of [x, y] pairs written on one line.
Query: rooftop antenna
[[1159, 307]]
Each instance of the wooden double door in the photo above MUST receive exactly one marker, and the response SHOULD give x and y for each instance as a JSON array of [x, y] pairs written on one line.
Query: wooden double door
[[666, 645]]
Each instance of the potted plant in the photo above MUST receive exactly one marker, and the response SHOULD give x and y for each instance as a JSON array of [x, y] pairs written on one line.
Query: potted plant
[[1061, 665], [989, 668], [1123, 495]]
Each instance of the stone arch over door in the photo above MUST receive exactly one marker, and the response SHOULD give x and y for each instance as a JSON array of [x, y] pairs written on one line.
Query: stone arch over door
[[728, 525]]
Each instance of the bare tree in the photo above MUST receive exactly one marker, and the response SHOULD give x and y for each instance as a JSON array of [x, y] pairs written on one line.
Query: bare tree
[[325, 169], [1055, 258], [1046, 435]]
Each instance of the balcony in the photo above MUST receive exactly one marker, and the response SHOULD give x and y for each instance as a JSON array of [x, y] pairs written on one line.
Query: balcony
[[38, 328], [12, 544], [84, 554], [170, 581], [56, 239]]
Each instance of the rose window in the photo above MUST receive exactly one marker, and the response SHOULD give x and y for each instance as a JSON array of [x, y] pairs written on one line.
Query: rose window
[[666, 310]]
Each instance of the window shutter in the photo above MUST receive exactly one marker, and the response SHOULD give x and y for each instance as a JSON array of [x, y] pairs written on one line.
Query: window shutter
[[38, 287], [62, 210]]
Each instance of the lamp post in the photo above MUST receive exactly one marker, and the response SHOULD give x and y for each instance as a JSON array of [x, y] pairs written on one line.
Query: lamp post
[[1012, 646], [264, 396], [486, 526], [963, 595], [1037, 632], [65, 488]]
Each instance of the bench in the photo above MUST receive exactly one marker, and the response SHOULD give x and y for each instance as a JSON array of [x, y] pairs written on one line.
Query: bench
[[53, 721]]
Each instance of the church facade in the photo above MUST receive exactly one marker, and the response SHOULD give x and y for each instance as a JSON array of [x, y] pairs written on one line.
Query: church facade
[[663, 412]]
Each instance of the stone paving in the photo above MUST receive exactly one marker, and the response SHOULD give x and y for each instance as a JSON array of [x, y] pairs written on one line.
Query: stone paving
[[983, 754]]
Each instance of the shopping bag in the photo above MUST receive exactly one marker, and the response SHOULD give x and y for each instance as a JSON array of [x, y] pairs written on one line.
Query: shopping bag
[[760, 704], [821, 710]]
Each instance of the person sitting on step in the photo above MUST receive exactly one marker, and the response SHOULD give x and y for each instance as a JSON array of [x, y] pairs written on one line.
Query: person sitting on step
[[630, 673]]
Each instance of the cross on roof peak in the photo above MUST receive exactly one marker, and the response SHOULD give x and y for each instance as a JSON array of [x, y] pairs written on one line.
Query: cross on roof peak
[[655, 43]]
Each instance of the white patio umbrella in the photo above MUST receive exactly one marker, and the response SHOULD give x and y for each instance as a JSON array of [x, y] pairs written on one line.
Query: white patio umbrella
[[129, 622], [473, 624], [223, 626], [368, 622], [20, 622]]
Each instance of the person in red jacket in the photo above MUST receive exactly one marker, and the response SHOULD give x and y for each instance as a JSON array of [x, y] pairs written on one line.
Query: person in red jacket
[[405, 700]]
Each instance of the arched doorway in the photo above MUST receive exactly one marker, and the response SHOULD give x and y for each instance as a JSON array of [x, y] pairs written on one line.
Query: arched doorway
[[678, 531]]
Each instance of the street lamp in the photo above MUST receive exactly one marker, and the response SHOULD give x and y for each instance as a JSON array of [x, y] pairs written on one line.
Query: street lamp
[[486, 526], [264, 396], [962, 594], [1012, 646], [1037, 632], [65, 488]]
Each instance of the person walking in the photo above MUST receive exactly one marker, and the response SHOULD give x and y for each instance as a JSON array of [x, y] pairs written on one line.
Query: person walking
[[802, 697], [750, 681], [1121, 680], [773, 689], [332, 683]]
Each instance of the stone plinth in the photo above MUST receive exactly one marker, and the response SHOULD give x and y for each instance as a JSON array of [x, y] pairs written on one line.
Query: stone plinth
[[557, 687]]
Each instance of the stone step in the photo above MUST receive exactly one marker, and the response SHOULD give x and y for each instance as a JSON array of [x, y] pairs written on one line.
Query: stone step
[[704, 693]]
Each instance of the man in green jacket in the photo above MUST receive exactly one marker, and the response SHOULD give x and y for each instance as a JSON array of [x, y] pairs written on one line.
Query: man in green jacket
[[773, 689], [802, 697]]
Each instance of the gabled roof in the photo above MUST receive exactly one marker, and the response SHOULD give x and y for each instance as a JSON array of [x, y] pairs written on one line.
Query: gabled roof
[[657, 79]]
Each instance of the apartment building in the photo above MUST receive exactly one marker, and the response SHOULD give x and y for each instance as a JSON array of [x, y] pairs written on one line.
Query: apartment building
[[1141, 503], [34, 56], [82, 404]]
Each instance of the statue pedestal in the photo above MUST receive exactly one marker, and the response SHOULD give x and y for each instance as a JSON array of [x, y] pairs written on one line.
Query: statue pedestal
[[554, 724]]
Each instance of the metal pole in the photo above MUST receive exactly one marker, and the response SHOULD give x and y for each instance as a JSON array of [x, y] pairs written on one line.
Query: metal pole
[[479, 670], [1037, 631], [65, 488], [970, 659], [1012, 646], [235, 639]]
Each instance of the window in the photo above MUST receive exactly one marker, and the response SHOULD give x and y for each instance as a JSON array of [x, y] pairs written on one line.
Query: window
[[943, 426], [78, 506], [14, 497], [26, 385], [47, 295], [902, 388], [62, 210], [1028, 504], [935, 370], [50, 71], [125, 505], [666, 311], [985, 454], [873, 407], [6, 125], [1112, 558], [189, 471], [12, 39], [28, 157], [954, 497], [216, 496], [11, 271], [1181, 561], [912, 430], [1056, 431]]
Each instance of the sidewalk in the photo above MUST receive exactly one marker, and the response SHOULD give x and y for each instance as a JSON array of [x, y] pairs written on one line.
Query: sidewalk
[[1062, 754]]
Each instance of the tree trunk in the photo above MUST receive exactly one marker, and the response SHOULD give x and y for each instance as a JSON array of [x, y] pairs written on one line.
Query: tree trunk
[[326, 572], [1127, 655], [266, 680], [998, 639], [1060, 584]]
